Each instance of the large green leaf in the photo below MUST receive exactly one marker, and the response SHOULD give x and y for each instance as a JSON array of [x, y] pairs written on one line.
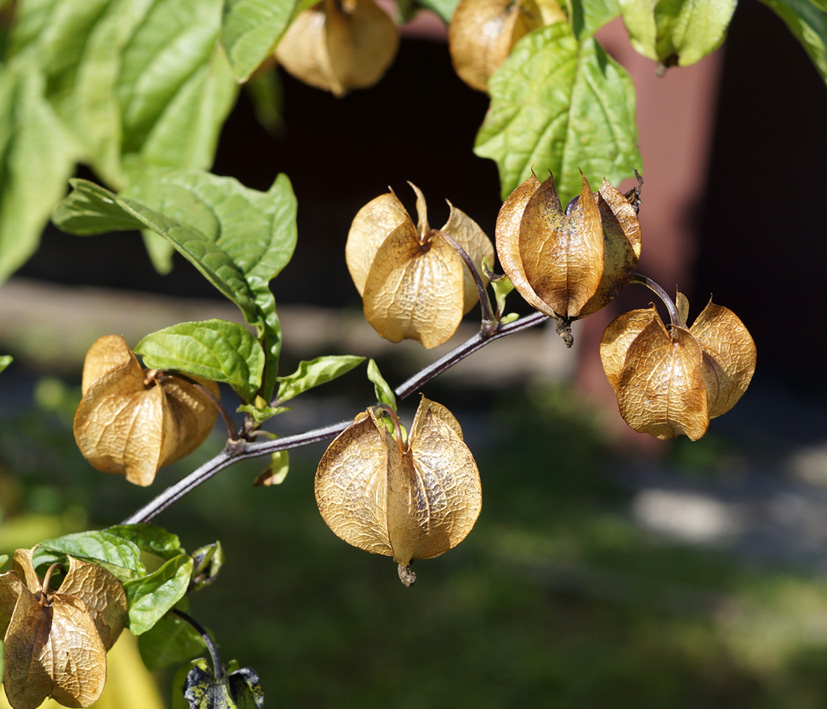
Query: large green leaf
[[142, 83], [219, 350], [152, 596], [120, 556], [251, 29], [807, 20], [37, 156], [91, 209], [561, 105], [677, 32]]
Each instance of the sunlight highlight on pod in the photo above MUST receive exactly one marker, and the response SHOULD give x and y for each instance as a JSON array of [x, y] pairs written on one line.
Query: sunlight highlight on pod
[[409, 499]]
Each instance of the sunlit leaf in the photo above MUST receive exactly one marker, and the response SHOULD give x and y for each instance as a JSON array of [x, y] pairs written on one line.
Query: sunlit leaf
[[37, 155], [251, 29], [120, 556], [560, 104], [5, 361], [152, 596], [677, 32], [218, 350], [383, 390], [315, 373], [149, 538], [588, 16], [143, 86], [276, 471], [807, 20]]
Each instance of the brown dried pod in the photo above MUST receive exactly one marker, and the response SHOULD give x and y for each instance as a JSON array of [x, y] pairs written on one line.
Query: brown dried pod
[[671, 382], [131, 422], [409, 500], [568, 263], [483, 33], [339, 45], [55, 642], [413, 283]]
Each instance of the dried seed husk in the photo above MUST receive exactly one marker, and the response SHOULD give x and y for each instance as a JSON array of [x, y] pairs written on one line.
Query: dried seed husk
[[483, 33], [409, 502], [55, 643], [621, 246], [562, 254], [729, 356], [415, 290], [130, 426], [567, 265], [339, 45], [414, 284], [661, 390]]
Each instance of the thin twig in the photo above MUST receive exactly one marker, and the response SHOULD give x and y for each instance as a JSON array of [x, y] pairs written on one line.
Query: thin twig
[[217, 665], [242, 450], [656, 288]]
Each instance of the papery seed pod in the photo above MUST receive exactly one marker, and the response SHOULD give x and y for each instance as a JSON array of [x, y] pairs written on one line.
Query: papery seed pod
[[339, 45], [567, 263], [55, 642], [483, 33], [671, 382], [413, 283], [409, 500], [130, 423]]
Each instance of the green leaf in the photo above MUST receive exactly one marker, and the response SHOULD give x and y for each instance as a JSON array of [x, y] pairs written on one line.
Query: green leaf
[[218, 350], [91, 209], [142, 84], [588, 16], [677, 32], [443, 8], [807, 20], [314, 373], [263, 413], [149, 538], [251, 29], [384, 393], [276, 471], [3, 560], [502, 287], [561, 105], [5, 361], [120, 556], [152, 596], [170, 641], [37, 156]]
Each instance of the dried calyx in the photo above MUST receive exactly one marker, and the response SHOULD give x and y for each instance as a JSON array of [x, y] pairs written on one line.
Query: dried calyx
[[568, 263], [55, 641], [339, 45], [483, 33], [672, 380], [408, 499], [133, 421], [413, 282]]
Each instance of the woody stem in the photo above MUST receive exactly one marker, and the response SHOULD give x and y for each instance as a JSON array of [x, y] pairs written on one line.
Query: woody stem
[[489, 321], [674, 317], [217, 665], [228, 421]]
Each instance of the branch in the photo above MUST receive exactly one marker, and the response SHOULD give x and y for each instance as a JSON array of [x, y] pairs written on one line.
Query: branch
[[236, 451]]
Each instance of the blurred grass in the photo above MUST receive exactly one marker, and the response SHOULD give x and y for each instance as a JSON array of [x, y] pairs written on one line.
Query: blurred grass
[[555, 599]]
